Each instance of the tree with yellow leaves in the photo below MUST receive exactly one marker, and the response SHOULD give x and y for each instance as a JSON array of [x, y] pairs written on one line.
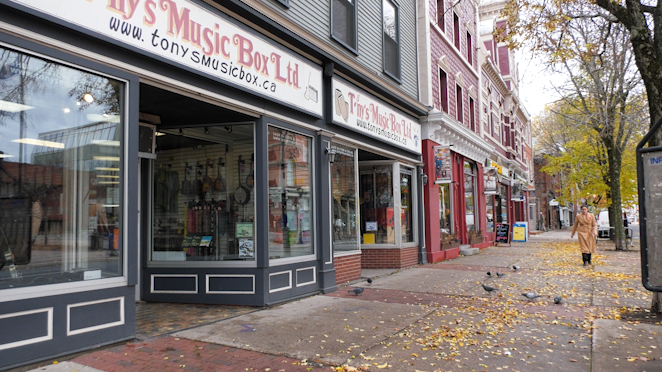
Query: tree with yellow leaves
[[604, 93]]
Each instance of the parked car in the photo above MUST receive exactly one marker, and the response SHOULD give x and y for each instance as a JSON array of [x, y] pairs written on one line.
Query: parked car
[[604, 229]]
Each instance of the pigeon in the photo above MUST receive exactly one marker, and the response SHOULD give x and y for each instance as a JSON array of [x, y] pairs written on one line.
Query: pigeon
[[515, 267], [489, 289], [500, 274], [369, 280], [557, 300], [357, 291], [531, 295], [489, 273]]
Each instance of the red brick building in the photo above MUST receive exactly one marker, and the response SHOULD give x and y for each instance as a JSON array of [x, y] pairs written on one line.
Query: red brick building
[[454, 151]]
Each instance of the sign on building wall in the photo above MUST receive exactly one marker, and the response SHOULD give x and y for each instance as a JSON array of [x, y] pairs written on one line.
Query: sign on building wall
[[652, 165], [497, 166], [491, 181], [363, 113], [188, 34], [443, 165]]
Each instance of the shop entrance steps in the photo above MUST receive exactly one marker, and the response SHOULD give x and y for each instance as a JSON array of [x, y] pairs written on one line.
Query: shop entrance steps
[[466, 250]]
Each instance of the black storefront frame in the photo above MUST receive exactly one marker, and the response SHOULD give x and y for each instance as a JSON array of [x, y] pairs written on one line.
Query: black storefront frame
[[59, 307], [87, 47]]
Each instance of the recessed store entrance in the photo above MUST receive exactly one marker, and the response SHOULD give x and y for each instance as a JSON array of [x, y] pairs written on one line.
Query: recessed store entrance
[[197, 191], [386, 211]]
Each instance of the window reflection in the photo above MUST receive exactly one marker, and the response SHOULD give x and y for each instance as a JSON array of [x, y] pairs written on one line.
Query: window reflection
[[60, 212], [290, 188], [344, 199]]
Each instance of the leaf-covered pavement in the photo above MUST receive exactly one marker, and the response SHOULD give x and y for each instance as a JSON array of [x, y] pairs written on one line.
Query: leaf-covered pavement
[[505, 331]]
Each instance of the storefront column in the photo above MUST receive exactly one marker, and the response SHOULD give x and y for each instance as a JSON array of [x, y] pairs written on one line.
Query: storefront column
[[262, 198], [431, 206], [327, 271]]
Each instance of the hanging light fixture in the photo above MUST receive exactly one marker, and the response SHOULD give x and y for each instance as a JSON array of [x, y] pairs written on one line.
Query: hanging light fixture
[[331, 154]]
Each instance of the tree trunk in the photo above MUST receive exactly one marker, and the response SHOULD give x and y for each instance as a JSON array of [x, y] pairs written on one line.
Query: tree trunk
[[615, 216]]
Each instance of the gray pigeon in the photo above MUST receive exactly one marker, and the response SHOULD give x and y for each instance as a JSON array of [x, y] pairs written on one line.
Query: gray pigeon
[[489, 273], [357, 291], [500, 274], [515, 267], [531, 295], [369, 280], [489, 289], [558, 300]]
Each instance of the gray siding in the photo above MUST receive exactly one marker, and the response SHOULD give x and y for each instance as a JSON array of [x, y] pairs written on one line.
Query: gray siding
[[314, 16]]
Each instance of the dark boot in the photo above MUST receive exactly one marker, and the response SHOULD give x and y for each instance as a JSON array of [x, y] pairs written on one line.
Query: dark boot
[[585, 259], [589, 258]]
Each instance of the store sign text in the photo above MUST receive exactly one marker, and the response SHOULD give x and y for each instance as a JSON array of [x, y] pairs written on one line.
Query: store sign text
[[363, 113], [188, 34]]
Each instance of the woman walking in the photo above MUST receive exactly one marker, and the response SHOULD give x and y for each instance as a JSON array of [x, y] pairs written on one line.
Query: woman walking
[[587, 231]]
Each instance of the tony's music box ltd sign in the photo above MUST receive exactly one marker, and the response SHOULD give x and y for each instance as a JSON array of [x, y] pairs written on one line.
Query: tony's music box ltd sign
[[192, 35]]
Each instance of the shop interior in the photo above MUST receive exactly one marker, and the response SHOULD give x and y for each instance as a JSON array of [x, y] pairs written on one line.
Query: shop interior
[[202, 200]]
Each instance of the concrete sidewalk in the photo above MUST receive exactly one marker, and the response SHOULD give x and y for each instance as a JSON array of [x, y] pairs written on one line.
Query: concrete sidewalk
[[433, 317]]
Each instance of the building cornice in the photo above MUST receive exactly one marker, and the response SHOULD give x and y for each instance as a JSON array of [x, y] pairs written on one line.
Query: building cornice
[[495, 76], [443, 129]]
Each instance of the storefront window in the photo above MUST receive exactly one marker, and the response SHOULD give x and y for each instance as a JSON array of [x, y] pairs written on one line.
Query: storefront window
[[344, 193], [290, 188], [469, 197], [445, 209], [203, 207], [489, 213], [504, 204], [377, 213], [406, 214], [60, 173]]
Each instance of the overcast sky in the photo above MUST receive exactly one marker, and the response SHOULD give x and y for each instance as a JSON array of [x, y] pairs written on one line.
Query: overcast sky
[[536, 85]]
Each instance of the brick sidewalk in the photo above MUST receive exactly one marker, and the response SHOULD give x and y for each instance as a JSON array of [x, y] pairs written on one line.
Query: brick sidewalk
[[167, 353]]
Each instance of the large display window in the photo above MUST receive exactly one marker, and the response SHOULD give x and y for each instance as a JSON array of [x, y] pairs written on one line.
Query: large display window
[[290, 194], [387, 210], [203, 199], [470, 195], [377, 204], [445, 210], [502, 207], [489, 213], [61, 172], [345, 199]]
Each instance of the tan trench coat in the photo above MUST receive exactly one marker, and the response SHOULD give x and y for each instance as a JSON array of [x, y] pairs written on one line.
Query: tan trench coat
[[586, 227]]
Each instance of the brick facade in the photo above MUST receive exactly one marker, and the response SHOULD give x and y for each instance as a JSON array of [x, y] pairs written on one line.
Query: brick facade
[[442, 45], [389, 258], [348, 268]]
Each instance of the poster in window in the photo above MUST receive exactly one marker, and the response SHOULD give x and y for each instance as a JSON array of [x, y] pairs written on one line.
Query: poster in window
[[491, 181], [244, 229], [246, 248], [442, 164]]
